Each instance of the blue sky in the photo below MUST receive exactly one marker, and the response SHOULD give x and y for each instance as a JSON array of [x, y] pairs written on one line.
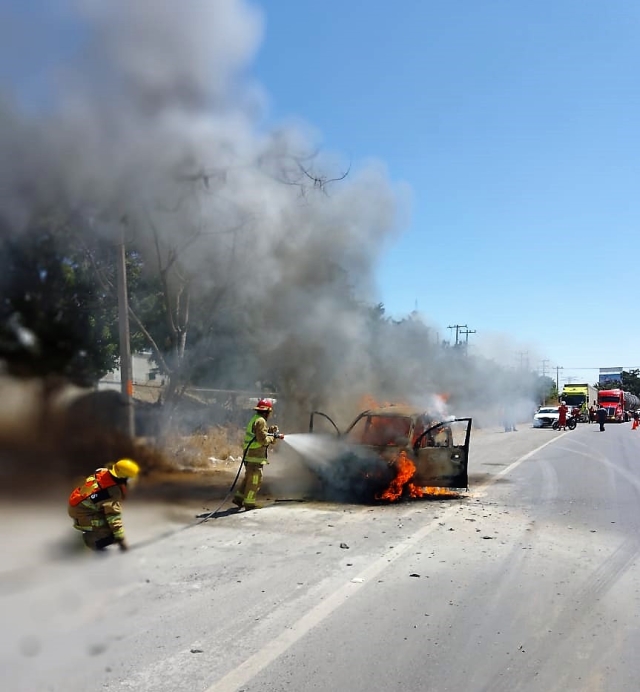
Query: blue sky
[[516, 126]]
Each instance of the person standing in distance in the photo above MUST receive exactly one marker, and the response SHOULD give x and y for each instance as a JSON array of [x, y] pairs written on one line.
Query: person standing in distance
[[601, 416], [257, 440], [562, 415]]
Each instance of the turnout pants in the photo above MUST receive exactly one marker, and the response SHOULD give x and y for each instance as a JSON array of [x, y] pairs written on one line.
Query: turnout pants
[[246, 493], [96, 532]]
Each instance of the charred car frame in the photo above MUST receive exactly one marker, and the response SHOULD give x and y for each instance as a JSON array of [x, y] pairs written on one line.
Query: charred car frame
[[380, 440]]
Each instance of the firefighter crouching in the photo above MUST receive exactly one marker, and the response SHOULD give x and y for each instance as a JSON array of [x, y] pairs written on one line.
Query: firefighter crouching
[[95, 506], [257, 440]]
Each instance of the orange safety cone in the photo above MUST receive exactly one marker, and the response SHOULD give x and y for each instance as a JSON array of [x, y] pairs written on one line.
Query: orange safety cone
[[635, 424]]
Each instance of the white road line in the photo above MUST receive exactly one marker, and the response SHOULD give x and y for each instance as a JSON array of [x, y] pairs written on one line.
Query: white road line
[[517, 462], [256, 663]]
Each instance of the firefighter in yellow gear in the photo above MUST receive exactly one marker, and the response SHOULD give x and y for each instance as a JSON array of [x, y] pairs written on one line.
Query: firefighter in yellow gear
[[257, 440], [95, 506]]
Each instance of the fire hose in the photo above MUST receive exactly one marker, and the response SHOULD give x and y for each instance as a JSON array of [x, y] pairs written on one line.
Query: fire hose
[[273, 430], [209, 515], [202, 518]]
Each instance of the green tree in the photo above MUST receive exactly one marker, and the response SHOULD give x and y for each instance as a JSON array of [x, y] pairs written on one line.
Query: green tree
[[546, 390], [631, 381], [56, 319]]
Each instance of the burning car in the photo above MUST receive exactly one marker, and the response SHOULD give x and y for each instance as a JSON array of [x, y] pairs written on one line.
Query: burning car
[[396, 451]]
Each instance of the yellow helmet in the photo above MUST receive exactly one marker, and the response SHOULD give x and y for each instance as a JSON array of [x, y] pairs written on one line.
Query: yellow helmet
[[125, 468]]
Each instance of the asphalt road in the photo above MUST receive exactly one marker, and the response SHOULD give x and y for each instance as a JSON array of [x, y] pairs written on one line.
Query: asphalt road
[[527, 582]]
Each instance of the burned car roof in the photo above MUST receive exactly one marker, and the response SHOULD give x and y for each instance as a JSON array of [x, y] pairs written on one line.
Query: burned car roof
[[395, 410]]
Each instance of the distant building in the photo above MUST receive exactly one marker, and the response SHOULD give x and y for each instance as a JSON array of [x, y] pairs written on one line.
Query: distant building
[[145, 373]]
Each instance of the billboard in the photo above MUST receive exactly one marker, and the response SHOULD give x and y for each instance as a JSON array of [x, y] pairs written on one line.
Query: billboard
[[610, 376]]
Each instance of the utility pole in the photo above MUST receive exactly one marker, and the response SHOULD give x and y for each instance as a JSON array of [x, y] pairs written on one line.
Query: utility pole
[[558, 368], [544, 367], [524, 359], [457, 327], [126, 370], [466, 331]]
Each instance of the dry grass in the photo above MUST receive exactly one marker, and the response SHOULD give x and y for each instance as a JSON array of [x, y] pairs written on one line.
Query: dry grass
[[201, 451]]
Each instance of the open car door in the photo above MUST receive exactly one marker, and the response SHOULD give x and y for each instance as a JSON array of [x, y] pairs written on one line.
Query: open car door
[[441, 455], [319, 416]]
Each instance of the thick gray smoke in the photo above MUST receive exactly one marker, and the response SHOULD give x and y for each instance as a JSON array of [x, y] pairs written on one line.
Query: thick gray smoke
[[154, 127]]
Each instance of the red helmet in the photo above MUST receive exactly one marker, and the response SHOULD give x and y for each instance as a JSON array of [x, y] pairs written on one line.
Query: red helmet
[[264, 405]]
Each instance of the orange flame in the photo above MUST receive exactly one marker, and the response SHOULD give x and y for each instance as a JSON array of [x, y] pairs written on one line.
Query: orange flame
[[415, 491], [406, 469], [367, 402]]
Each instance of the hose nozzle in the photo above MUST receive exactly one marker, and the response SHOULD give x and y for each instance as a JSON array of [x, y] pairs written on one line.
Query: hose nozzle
[[275, 431]]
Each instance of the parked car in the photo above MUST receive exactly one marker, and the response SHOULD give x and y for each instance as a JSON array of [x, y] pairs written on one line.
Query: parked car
[[546, 417]]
